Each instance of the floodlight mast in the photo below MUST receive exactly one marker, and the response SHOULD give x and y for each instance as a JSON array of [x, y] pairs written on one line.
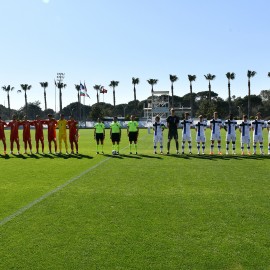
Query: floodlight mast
[[60, 77]]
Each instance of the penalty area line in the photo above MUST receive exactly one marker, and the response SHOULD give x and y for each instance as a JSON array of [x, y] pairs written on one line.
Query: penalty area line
[[45, 196]]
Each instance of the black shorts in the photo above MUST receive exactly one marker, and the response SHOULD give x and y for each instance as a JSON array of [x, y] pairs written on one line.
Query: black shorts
[[172, 134], [133, 136], [99, 136], [115, 137]]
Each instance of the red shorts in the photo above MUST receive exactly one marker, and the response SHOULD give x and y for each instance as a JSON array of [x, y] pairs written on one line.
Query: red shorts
[[26, 138], [14, 138], [73, 138], [51, 137]]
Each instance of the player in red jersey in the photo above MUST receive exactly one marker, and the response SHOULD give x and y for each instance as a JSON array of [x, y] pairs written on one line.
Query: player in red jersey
[[14, 133], [51, 123], [2, 134], [73, 133], [38, 124], [26, 134]]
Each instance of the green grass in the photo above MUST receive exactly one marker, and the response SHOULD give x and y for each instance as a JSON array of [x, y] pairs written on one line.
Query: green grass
[[135, 212]]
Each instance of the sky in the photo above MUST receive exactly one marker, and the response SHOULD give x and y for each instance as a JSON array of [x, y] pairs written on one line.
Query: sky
[[98, 41]]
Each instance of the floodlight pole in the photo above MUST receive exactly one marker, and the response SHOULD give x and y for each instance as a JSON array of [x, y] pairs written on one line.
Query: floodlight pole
[[60, 77]]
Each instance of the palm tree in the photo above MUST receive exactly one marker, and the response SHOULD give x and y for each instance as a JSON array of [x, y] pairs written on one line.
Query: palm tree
[[230, 76], [113, 84], [97, 88], [268, 74], [60, 86], [250, 74], [173, 78], [25, 87], [191, 79], [152, 82], [209, 77], [78, 88], [8, 89], [134, 82], [44, 85]]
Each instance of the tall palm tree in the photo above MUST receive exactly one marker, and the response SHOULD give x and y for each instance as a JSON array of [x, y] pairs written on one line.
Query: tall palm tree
[[60, 86], [8, 89], [230, 76], [113, 84], [25, 88], [250, 74], [191, 79], [97, 88], [209, 77], [134, 82], [78, 88], [44, 85], [152, 82], [173, 78]]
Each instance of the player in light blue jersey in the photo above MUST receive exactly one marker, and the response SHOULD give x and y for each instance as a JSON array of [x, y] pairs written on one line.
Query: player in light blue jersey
[[200, 128], [158, 128], [230, 125], [186, 132], [257, 127], [244, 129], [215, 126], [268, 129]]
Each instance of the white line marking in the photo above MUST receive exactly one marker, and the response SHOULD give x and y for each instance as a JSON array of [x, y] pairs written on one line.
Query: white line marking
[[45, 196]]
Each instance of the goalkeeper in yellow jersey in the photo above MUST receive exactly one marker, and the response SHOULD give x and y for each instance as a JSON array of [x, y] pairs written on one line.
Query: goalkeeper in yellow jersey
[[62, 133]]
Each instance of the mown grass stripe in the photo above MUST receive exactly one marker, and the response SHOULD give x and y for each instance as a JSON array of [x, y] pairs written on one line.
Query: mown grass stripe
[[45, 196]]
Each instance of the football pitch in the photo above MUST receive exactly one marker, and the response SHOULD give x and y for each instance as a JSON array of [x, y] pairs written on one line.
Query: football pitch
[[142, 211]]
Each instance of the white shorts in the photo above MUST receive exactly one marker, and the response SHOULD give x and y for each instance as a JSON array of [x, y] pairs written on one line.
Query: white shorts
[[158, 138], [200, 139], [186, 137], [245, 139], [230, 137], [215, 137], [258, 138]]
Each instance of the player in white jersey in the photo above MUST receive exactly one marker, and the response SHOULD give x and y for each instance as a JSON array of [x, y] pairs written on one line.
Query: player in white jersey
[[230, 125], [257, 127], [244, 129], [186, 134], [158, 134], [215, 126], [200, 134], [268, 128]]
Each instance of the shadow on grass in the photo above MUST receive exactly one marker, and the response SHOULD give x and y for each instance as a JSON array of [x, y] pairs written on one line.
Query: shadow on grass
[[229, 157], [183, 156], [5, 156], [114, 156], [132, 156], [48, 156], [151, 156], [68, 156]]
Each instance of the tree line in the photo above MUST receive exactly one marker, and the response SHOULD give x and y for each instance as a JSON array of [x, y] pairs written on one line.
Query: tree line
[[204, 102]]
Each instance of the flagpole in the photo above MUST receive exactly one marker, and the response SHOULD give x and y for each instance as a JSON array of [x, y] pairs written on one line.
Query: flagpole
[[84, 110], [80, 114], [54, 96]]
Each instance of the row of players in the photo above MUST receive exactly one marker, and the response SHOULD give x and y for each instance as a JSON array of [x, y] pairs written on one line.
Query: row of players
[[62, 124], [230, 125]]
